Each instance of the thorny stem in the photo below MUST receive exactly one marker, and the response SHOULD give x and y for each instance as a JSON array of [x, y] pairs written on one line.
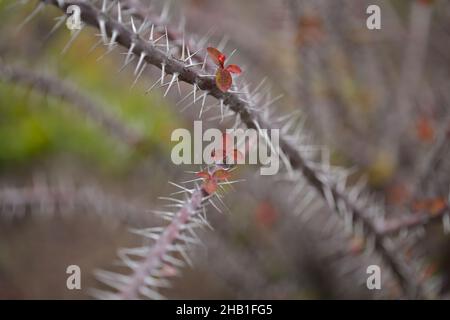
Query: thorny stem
[[145, 13], [157, 57], [154, 258]]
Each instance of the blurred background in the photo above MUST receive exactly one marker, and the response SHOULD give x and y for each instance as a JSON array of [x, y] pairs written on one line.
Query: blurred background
[[74, 176]]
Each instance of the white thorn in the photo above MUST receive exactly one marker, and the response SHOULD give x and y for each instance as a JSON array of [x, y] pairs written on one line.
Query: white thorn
[[188, 56], [204, 62], [113, 40], [125, 64], [38, 8], [72, 39], [204, 98], [150, 38], [173, 261], [165, 11], [58, 24], [184, 254], [214, 205], [195, 92], [185, 97], [95, 46], [133, 26], [231, 55], [119, 12], [152, 86], [221, 110], [167, 41], [104, 6], [139, 75], [143, 25], [163, 72], [130, 52], [141, 59], [101, 24], [174, 76], [178, 86], [223, 43], [182, 48]]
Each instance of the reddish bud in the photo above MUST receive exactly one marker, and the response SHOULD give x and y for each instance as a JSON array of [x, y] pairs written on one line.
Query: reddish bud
[[223, 80], [217, 56], [233, 68]]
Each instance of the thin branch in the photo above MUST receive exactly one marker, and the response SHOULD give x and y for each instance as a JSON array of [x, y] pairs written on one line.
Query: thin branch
[[44, 199], [158, 254]]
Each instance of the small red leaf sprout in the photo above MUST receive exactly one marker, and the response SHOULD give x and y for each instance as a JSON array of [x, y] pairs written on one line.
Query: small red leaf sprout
[[210, 181], [223, 73]]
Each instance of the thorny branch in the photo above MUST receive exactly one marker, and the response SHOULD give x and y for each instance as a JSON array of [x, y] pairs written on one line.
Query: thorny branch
[[150, 52]]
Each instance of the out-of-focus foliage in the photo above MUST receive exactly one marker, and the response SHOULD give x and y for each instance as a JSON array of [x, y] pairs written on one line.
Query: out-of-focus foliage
[[33, 126]]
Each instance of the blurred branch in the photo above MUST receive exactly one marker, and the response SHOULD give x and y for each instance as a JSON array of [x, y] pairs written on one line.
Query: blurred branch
[[159, 254], [44, 199], [66, 91]]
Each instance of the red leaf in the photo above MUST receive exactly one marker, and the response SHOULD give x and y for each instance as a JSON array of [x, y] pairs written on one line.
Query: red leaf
[[436, 205], [223, 80], [221, 174], [217, 56], [204, 175], [210, 186], [431, 205], [233, 69]]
